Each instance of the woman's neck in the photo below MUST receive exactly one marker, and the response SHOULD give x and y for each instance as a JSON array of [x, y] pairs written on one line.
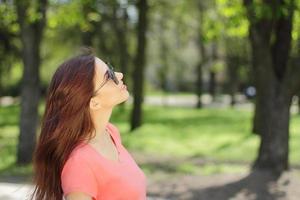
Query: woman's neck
[[100, 120]]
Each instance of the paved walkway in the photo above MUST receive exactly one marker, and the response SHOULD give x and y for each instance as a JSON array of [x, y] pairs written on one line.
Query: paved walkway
[[13, 191], [190, 100]]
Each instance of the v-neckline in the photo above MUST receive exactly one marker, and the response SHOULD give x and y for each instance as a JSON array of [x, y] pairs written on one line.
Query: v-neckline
[[118, 161]]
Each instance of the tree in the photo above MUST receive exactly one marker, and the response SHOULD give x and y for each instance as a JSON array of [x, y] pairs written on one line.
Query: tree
[[236, 44], [163, 71], [8, 47], [276, 82], [120, 26], [202, 39], [237, 65], [212, 72], [31, 18], [140, 60], [88, 9]]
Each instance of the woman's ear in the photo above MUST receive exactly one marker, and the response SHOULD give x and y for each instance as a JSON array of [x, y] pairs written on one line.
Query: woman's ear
[[94, 104]]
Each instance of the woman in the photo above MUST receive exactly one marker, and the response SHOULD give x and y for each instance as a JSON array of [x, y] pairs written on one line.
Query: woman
[[79, 155]]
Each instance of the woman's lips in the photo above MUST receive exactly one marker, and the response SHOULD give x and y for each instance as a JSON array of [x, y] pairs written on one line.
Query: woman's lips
[[124, 87]]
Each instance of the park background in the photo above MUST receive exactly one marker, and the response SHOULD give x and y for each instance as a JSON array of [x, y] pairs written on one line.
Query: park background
[[214, 84]]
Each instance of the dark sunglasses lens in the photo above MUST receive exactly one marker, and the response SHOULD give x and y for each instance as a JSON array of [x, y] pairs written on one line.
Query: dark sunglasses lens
[[112, 76]]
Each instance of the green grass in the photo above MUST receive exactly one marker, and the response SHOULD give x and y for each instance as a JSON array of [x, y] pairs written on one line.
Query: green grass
[[222, 135], [218, 134], [9, 119], [215, 133]]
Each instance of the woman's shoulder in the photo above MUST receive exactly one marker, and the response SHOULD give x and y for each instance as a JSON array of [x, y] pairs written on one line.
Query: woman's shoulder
[[79, 155]]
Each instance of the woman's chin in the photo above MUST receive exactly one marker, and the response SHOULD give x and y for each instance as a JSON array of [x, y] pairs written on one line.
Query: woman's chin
[[124, 98]]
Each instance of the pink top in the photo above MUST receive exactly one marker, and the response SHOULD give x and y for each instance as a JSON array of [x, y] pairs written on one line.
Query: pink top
[[88, 171]]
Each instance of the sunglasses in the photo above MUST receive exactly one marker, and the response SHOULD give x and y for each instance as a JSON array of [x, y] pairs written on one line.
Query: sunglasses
[[109, 75]]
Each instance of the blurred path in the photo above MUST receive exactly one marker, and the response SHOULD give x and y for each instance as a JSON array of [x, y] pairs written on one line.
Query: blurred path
[[222, 101], [190, 100], [243, 186], [239, 186], [182, 100], [14, 191]]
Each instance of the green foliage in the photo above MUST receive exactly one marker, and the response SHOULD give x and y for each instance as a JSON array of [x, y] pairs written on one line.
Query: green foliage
[[233, 18], [212, 26], [268, 10], [8, 18], [217, 66], [69, 14], [67, 21], [32, 12], [9, 48], [182, 14], [296, 27]]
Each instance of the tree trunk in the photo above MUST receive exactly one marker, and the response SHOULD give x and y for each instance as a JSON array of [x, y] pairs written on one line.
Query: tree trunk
[[212, 73], [87, 36], [120, 28], [31, 35], [124, 54], [212, 84], [270, 38], [164, 68], [203, 55], [119, 25], [140, 61], [232, 68], [255, 119], [103, 46], [274, 147], [298, 104], [199, 87], [86, 39], [163, 71]]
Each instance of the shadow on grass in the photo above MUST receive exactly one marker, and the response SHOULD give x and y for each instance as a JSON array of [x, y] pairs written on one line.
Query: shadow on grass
[[258, 185], [254, 186], [191, 166]]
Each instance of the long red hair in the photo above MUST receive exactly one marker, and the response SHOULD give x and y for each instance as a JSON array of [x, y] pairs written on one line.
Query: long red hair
[[65, 124]]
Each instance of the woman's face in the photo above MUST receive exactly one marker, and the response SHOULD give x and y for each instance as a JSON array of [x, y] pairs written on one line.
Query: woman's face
[[110, 93]]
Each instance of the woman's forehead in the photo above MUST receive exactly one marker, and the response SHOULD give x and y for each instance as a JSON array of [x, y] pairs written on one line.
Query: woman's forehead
[[100, 67], [100, 64]]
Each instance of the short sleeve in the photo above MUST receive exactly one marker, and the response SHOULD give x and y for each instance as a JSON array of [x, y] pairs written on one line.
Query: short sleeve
[[77, 176], [115, 131]]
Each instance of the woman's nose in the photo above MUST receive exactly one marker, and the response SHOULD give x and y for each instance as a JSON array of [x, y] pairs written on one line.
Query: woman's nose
[[119, 75]]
